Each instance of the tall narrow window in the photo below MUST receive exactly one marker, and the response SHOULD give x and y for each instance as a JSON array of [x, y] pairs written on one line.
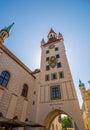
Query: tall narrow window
[[59, 65], [25, 90], [56, 48], [47, 67], [57, 56], [47, 77], [47, 58], [51, 36], [61, 74], [4, 78], [47, 51], [54, 76], [55, 92]]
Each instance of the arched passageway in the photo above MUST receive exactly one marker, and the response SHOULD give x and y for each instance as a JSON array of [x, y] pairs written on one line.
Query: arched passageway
[[53, 122]]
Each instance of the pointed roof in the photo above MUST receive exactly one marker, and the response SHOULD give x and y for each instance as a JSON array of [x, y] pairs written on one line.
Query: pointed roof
[[53, 38], [9, 28], [51, 31], [59, 33], [81, 84]]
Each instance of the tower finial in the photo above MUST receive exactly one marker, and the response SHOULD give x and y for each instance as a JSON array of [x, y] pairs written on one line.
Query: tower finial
[[60, 36], [9, 28], [5, 32], [42, 42], [81, 84]]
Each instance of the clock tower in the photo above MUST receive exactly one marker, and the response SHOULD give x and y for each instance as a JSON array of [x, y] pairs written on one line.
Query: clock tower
[[54, 84]]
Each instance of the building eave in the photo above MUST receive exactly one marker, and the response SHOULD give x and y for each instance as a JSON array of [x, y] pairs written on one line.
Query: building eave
[[3, 48], [35, 72], [50, 42]]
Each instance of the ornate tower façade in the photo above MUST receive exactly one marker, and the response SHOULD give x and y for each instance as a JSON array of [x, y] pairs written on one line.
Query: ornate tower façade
[[54, 84]]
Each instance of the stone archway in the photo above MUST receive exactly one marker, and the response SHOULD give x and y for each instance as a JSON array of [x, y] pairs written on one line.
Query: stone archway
[[51, 116]]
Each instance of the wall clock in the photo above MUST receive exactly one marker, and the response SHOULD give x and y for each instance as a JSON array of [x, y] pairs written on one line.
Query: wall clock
[[51, 46]]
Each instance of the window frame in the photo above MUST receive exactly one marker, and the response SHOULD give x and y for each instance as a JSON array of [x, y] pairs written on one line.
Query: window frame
[[47, 51], [47, 77], [57, 56], [4, 78], [61, 74], [53, 74], [47, 67], [56, 48], [47, 58], [25, 90], [55, 92], [59, 65]]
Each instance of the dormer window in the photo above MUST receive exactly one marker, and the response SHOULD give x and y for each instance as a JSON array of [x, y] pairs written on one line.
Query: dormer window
[[51, 36]]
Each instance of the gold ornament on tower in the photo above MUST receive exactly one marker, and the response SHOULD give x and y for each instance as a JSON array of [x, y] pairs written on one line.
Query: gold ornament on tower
[[53, 61]]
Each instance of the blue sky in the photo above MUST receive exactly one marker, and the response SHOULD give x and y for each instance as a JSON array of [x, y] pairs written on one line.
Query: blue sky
[[33, 21]]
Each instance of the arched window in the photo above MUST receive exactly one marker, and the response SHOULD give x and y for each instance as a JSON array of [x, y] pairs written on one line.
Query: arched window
[[4, 78], [25, 90]]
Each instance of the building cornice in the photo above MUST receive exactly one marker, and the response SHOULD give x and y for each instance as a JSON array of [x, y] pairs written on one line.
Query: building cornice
[[36, 71], [51, 41]]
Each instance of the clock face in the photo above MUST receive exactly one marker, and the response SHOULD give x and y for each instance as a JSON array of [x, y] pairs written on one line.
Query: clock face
[[53, 61], [51, 46]]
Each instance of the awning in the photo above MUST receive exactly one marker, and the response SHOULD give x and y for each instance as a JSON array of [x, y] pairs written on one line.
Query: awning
[[33, 124], [12, 123], [6, 122]]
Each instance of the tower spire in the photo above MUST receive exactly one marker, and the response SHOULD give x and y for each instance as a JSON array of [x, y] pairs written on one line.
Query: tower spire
[[81, 84], [9, 28], [51, 31], [5, 32], [52, 35]]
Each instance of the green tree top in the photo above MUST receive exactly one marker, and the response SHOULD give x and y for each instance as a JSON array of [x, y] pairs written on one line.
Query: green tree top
[[66, 122]]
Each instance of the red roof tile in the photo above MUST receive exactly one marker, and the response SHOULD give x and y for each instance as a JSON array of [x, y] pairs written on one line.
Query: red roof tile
[[51, 31], [51, 40]]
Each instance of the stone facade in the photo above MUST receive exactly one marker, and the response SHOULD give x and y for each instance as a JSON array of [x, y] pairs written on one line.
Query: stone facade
[[50, 90], [12, 103], [86, 105], [55, 88]]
